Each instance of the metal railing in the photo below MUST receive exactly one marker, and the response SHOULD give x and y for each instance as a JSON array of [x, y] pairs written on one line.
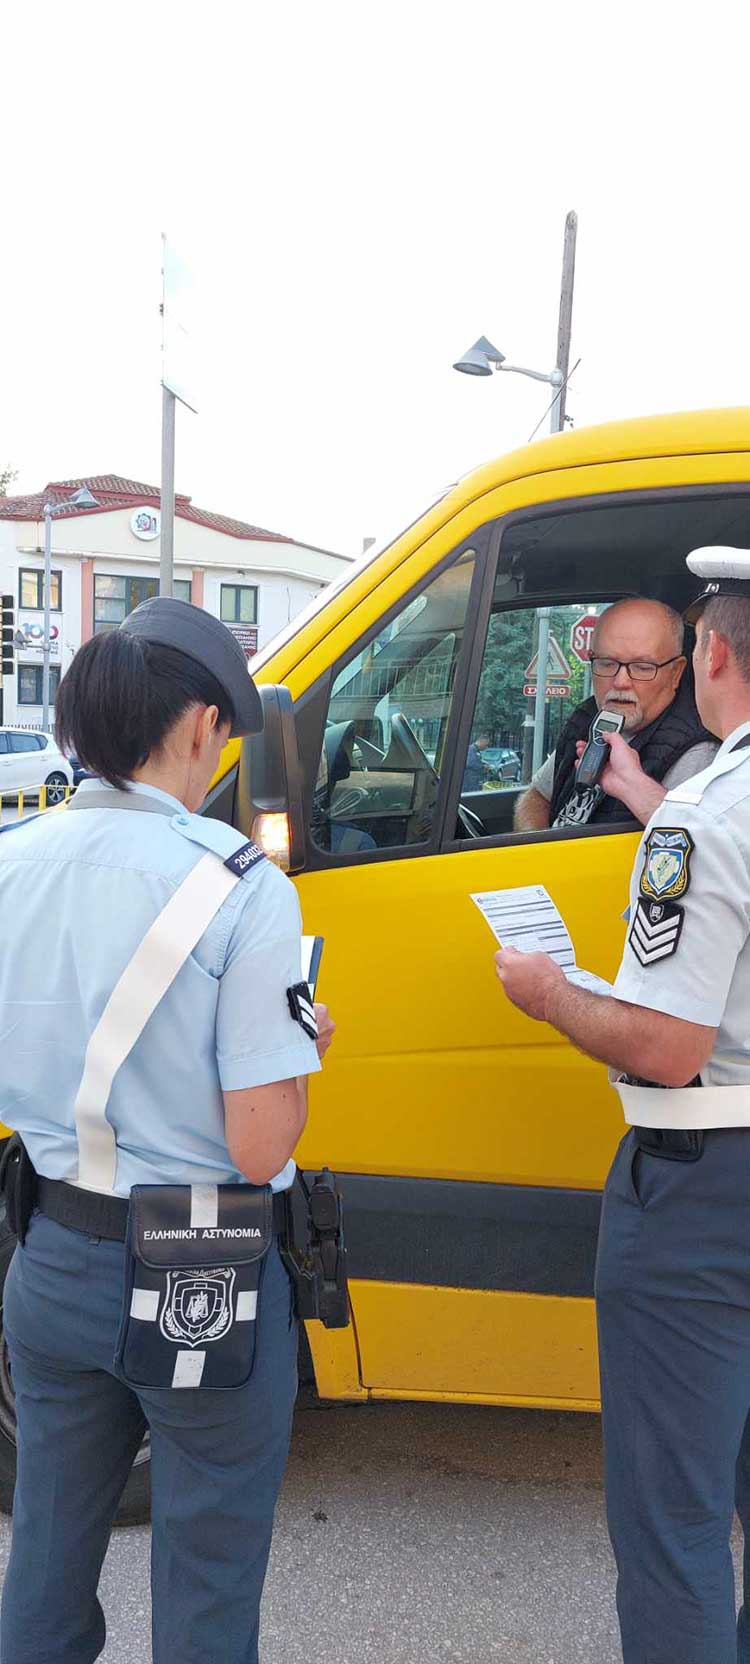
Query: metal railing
[[60, 794]]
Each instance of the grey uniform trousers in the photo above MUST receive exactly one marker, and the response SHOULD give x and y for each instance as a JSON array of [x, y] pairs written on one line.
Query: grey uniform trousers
[[217, 1460], [673, 1311]]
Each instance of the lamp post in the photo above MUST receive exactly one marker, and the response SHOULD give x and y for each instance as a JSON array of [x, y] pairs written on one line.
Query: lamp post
[[481, 360], [80, 499]]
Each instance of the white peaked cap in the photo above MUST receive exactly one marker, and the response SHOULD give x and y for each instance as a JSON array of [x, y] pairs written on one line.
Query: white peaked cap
[[725, 571]]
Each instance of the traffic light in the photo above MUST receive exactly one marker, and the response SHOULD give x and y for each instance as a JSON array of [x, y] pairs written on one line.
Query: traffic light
[[7, 631]]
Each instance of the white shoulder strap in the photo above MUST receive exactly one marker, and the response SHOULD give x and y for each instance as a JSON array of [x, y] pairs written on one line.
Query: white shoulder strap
[[145, 980], [692, 790]]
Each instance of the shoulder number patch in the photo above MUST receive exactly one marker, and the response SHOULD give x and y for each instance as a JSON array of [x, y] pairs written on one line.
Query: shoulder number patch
[[666, 864], [655, 930], [244, 859]]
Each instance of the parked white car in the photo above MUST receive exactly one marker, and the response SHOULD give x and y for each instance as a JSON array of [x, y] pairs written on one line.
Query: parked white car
[[30, 759]]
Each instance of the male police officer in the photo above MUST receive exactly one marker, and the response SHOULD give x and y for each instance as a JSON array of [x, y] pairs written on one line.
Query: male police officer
[[637, 664], [673, 1272]]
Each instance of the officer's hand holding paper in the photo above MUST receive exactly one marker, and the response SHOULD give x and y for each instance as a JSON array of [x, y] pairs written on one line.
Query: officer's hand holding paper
[[536, 950]]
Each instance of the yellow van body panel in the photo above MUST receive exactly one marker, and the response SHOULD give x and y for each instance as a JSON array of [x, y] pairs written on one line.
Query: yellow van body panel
[[524, 1127], [434, 1075], [453, 1337]]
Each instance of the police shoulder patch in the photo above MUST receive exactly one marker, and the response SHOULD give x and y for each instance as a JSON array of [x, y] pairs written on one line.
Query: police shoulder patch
[[239, 855], [243, 860], [666, 862], [655, 930]]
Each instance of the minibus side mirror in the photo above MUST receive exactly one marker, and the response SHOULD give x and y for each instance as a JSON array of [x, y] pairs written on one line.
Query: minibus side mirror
[[269, 786]]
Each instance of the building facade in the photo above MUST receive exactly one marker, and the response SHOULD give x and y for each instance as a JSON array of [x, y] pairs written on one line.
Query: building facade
[[105, 560]]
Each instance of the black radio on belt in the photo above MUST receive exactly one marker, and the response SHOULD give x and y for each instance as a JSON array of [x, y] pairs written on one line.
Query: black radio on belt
[[312, 1248], [18, 1185]]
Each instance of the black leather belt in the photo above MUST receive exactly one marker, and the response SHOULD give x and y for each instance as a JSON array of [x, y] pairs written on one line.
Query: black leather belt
[[105, 1216]]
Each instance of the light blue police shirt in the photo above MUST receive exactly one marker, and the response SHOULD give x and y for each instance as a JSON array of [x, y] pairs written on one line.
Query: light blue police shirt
[[78, 892], [690, 958]]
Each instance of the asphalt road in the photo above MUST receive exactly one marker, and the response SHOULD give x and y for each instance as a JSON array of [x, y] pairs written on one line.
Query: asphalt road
[[419, 1531]]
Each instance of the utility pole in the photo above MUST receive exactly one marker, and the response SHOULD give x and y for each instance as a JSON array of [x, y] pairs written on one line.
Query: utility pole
[[177, 382], [562, 360], [557, 420], [166, 546]]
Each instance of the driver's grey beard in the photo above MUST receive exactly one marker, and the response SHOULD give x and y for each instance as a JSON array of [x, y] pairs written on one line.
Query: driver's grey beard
[[629, 708]]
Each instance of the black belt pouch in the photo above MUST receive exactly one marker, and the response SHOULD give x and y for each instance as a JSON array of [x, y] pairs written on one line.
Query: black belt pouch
[[192, 1290]]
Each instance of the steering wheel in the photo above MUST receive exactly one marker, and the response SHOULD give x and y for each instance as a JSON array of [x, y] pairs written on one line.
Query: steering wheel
[[472, 825], [404, 740]]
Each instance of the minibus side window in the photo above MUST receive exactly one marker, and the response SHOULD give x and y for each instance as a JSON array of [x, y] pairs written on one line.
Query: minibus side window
[[384, 739], [513, 737], [558, 569]]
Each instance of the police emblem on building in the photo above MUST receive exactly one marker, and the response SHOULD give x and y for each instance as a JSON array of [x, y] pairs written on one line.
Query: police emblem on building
[[666, 866], [198, 1305]]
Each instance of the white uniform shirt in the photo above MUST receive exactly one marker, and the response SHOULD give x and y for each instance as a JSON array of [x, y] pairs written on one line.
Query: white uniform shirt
[[78, 892], [688, 946]]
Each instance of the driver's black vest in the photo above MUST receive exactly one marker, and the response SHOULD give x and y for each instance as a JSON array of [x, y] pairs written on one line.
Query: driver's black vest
[[660, 744]]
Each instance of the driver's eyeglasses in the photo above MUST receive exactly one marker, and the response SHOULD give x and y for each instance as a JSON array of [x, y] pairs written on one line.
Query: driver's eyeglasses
[[639, 670]]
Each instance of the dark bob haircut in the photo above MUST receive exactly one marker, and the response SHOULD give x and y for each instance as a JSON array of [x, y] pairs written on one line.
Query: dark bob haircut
[[120, 697]]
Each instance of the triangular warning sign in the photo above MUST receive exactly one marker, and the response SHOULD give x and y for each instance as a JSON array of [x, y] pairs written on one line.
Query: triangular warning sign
[[557, 664]]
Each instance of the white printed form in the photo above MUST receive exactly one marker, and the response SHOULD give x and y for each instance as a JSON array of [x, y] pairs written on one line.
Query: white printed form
[[527, 918]]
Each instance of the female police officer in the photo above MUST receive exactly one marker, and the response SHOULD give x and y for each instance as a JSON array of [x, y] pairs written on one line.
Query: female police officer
[[148, 1041]]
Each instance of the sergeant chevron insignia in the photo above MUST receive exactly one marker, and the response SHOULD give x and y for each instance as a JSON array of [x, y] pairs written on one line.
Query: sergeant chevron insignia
[[302, 1009], [655, 930]]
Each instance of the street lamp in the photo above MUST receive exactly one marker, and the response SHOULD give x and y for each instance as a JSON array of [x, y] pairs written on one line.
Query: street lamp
[[483, 358], [81, 498]]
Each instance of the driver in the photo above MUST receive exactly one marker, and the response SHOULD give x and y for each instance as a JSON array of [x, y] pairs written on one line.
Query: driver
[[637, 665]]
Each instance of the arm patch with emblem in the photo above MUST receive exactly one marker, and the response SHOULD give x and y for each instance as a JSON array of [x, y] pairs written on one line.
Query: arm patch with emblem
[[655, 930], [302, 1008], [666, 865]]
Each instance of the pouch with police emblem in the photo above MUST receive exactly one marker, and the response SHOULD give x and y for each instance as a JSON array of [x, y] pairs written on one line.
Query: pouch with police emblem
[[193, 1273]]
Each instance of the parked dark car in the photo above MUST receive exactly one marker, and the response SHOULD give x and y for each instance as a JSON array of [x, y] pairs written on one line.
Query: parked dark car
[[502, 763]]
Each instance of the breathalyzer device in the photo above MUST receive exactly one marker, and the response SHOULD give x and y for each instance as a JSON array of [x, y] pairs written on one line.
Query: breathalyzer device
[[596, 754]]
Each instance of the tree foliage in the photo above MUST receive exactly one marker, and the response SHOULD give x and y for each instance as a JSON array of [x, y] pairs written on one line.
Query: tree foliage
[[511, 643]]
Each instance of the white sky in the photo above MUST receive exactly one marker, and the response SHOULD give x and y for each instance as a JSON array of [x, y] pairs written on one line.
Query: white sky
[[361, 190]]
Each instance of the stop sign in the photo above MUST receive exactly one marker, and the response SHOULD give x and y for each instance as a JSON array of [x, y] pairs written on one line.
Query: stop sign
[[581, 633]]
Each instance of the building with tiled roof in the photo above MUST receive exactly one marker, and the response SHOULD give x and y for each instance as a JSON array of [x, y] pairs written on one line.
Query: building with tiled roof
[[105, 560]]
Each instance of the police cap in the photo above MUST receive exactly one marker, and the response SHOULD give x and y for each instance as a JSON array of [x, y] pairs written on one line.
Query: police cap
[[205, 639], [726, 571]]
